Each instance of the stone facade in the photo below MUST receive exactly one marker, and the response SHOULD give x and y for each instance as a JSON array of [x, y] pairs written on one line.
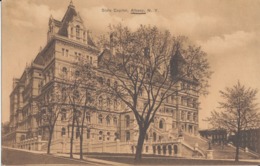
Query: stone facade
[[113, 126]]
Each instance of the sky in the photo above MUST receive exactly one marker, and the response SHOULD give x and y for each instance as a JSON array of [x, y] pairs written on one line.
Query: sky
[[227, 30]]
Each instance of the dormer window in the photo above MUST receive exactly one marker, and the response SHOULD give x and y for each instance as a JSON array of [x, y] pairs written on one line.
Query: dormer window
[[77, 32]]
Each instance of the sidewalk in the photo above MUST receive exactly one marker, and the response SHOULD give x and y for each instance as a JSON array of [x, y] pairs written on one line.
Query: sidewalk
[[89, 159], [25, 150], [76, 157]]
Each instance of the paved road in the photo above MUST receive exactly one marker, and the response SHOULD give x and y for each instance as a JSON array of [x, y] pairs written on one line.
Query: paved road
[[17, 157]]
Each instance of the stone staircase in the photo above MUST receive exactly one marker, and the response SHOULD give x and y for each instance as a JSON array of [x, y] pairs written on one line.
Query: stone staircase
[[219, 152], [228, 152]]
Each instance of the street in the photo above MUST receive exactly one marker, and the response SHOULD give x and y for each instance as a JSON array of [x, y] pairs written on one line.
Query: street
[[17, 157]]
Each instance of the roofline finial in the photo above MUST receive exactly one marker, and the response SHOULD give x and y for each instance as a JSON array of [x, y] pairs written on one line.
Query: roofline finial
[[71, 3]]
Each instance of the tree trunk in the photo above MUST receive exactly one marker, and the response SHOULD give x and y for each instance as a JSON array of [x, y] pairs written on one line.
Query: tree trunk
[[72, 136], [81, 147], [139, 148], [237, 146], [49, 142]]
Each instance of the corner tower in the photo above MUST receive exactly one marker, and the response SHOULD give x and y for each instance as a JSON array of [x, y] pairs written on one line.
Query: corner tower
[[71, 26]]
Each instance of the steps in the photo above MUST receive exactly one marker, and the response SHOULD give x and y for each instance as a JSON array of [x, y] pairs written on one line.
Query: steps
[[228, 152], [219, 152]]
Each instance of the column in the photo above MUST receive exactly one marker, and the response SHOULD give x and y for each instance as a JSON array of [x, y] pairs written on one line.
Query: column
[[117, 145], [179, 153]]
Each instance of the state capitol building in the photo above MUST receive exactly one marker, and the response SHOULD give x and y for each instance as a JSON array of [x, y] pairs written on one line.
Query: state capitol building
[[110, 127]]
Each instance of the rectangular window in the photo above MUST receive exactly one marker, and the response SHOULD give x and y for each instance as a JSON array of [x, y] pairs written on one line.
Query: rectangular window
[[63, 52], [67, 53], [90, 60]]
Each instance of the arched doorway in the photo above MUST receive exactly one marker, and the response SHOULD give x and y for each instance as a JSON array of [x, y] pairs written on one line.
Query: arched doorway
[[175, 148], [154, 149], [159, 149], [164, 149], [170, 149]]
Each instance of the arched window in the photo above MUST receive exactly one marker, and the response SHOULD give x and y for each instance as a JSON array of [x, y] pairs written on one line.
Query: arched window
[[63, 131], [182, 115], [43, 111], [127, 120], [115, 121], [78, 113], [100, 101], [64, 70], [108, 120], [146, 137], [188, 116], [194, 117], [127, 136], [78, 32], [175, 149], [161, 124], [63, 114], [115, 104], [115, 85], [108, 82], [141, 92], [77, 73], [100, 119], [77, 133], [100, 80], [88, 133], [108, 136], [100, 135], [194, 103], [22, 137], [116, 135], [88, 119], [108, 102]]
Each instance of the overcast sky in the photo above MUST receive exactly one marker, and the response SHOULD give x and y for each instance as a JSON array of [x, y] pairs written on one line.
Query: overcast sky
[[228, 30]]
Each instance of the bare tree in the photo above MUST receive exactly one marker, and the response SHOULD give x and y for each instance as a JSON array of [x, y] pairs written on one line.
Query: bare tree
[[143, 64], [70, 86], [49, 105], [86, 75], [80, 89], [238, 112]]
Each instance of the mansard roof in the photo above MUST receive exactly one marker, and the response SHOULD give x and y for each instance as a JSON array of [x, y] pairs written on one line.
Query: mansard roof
[[68, 17]]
